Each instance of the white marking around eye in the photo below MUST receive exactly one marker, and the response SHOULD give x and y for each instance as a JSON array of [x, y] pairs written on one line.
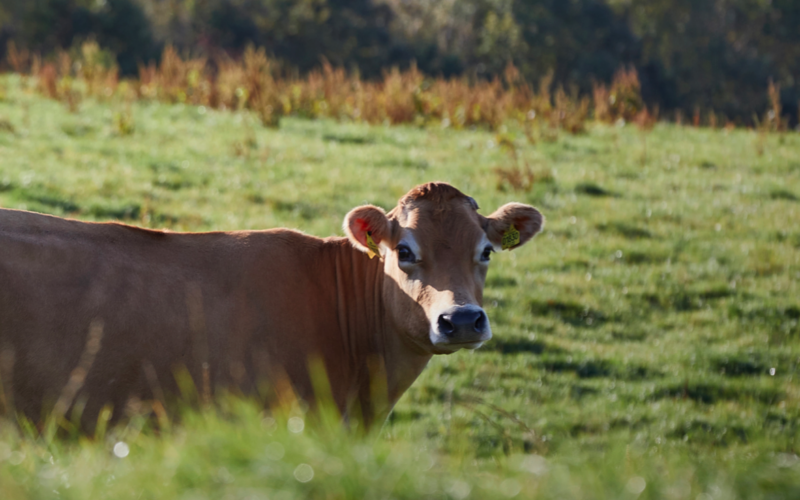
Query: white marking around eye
[[409, 241], [481, 247]]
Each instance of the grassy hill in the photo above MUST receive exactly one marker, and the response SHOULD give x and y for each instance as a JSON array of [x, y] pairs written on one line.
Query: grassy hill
[[646, 344]]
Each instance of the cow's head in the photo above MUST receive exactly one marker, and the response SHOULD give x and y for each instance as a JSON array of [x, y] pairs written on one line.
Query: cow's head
[[436, 249]]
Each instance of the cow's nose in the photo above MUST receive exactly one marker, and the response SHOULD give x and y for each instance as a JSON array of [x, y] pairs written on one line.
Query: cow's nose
[[462, 321]]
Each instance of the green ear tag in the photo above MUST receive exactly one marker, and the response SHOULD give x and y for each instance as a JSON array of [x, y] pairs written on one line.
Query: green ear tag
[[510, 237], [373, 247]]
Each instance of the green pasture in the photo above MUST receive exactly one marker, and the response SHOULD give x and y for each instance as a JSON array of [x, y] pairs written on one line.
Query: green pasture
[[646, 343]]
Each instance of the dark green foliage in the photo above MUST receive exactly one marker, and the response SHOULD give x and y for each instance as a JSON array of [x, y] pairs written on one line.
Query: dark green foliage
[[118, 25], [706, 55], [581, 41], [717, 55], [122, 27]]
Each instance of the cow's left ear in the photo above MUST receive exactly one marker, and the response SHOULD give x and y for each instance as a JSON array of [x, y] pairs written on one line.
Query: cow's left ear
[[512, 225], [366, 227]]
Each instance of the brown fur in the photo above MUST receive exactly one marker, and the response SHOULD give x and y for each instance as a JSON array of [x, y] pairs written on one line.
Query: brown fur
[[235, 309]]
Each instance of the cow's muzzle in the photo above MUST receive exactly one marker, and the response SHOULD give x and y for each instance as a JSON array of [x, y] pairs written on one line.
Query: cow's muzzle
[[461, 327]]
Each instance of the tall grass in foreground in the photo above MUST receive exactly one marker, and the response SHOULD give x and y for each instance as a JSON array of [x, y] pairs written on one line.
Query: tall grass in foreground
[[237, 451]]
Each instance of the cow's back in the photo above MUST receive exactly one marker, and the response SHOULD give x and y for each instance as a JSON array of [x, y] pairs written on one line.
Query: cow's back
[[166, 301]]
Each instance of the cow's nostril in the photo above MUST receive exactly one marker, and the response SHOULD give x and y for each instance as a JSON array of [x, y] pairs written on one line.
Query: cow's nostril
[[480, 323], [445, 326]]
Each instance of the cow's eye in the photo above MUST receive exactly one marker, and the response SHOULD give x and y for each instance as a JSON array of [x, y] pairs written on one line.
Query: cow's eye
[[486, 256], [404, 254]]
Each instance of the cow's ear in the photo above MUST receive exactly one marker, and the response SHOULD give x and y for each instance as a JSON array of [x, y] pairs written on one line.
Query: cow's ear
[[366, 227], [513, 224]]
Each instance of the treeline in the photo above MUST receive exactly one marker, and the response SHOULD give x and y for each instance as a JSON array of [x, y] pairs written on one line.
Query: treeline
[[692, 56]]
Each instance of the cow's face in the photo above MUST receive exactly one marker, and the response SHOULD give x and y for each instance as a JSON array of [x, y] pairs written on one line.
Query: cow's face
[[436, 250]]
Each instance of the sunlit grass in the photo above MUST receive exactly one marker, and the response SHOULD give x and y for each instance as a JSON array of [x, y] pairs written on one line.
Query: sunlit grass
[[652, 331]]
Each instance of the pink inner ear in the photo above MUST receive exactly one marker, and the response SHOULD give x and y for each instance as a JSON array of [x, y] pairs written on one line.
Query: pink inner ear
[[363, 225], [363, 228]]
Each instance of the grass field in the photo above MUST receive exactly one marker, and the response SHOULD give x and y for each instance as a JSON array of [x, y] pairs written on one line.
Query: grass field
[[647, 343]]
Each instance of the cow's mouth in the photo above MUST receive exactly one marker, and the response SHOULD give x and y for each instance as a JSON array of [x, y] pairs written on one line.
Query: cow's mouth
[[465, 345], [449, 346]]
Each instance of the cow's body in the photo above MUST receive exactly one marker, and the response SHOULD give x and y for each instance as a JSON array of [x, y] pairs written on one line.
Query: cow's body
[[234, 309]]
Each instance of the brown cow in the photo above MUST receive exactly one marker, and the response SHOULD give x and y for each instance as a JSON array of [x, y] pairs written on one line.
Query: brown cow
[[97, 313]]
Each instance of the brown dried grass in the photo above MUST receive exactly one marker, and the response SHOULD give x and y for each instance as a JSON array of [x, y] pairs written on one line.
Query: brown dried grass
[[622, 100], [400, 96]]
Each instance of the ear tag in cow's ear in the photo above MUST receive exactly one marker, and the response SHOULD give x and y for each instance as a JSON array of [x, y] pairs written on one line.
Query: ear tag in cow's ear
[[373, 247], [510, 237]]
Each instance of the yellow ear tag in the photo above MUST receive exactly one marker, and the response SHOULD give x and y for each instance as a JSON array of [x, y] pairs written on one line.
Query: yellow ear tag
[[510, 237], [373, 247]]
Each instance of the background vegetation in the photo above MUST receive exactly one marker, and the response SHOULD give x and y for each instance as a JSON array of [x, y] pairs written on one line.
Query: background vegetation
[[704, 55], [646, 344]]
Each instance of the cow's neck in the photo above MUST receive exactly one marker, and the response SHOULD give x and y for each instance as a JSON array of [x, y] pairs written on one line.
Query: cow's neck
[[384, 364]]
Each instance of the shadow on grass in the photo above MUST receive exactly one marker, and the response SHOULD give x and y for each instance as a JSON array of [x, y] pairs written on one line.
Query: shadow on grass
[[747, 364], [776, 318], [626, 230], [348, 139], [571, 313], [686, 299], [783, 194], [597, 368], [592, 189], [710, 392], [699, 430], [520, 345]]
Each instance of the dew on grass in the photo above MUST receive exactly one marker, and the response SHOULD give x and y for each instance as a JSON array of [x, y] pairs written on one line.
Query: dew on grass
[[296, 425], [268, 423], [274, 451], [333, 466], [16, 457], [425, 463], [510, 488], [636, 485], [459, 489], [535, 464], [121, 449], [304, 473], [786, 460]]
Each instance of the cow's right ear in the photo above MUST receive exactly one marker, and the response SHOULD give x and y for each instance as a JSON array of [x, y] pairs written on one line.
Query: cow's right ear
[[512, 225], [366, 227]]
